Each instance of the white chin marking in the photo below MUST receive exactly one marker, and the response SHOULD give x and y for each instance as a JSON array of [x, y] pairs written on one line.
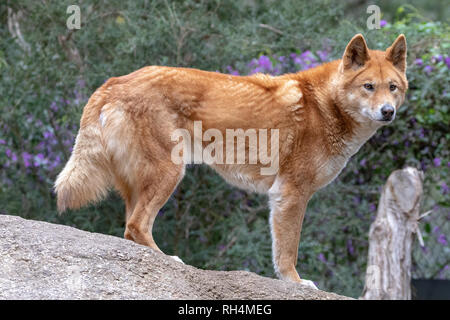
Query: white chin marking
[[308, 283], [177, 259]]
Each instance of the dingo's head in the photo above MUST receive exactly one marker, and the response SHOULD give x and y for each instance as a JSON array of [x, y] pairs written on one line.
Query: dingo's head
[[373, 83]]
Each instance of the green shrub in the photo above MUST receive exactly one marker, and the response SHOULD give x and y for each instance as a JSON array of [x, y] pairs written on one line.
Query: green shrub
[[206, 222]]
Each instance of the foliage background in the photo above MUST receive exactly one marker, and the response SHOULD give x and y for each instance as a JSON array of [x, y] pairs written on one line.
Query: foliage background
[[47, 77]]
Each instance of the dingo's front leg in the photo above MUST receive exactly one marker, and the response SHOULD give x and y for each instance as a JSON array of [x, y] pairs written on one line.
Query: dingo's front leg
[[288, 207]]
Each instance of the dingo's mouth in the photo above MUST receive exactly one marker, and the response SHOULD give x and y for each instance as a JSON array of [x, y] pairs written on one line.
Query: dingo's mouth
[[385, 120]]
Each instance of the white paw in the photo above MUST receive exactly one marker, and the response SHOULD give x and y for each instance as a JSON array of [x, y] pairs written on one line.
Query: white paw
[[177, 259], [308, 283]]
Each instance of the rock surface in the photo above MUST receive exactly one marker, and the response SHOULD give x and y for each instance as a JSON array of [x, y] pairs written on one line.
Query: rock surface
[[40, 260]]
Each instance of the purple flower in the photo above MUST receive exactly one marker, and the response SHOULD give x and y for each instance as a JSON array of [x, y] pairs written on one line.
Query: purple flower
[[257, 70], [56, 162], [39, 160], [447, 61], [265, 62], [40, 146], [350, 247], [232, 71], [308, 55], [436, 58], [372, 207], [276, 70], [298, 60], [321, 257], [418, 62], [8, 153], [428, 69], [442, 239], [422, 133], [442, 272], [47, 134], [323, 55], [2, 141], [383, 23], [363, 162], [444, 188], [27, 158], [54, 106], [306, 60], [309, 59], [423, 166], [437, 162], [251, 64]]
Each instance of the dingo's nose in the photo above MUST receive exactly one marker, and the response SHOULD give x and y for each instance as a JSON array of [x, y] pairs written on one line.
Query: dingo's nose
[[387, 111]]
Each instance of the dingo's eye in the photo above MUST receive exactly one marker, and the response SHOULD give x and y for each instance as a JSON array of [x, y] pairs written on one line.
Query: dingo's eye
[[392, 87], [368, 86]]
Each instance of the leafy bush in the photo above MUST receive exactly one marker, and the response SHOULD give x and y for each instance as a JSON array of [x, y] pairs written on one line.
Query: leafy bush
[[206, 222]]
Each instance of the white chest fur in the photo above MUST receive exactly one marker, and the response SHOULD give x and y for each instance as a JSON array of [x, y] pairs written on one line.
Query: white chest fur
[[330, 168]]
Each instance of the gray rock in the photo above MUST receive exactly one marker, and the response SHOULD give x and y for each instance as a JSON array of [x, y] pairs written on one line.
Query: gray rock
[[40, 260]]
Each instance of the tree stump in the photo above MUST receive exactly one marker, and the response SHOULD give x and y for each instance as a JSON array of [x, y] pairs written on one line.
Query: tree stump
[[391, 236]]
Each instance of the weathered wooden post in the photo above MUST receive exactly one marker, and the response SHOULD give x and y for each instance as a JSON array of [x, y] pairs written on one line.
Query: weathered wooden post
[[391, 236]]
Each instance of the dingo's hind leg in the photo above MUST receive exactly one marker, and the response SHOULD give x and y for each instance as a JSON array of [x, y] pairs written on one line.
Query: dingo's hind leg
[[157, 185]]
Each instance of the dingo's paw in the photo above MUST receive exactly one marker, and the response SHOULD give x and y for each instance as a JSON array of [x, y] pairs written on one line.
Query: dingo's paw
[[177, 259], [308, 283]]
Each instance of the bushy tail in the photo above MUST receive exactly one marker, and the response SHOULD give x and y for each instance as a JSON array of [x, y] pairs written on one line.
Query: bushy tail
[[86, 176]]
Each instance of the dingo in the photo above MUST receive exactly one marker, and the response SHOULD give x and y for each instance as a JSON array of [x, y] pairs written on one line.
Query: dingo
[[323, 116]]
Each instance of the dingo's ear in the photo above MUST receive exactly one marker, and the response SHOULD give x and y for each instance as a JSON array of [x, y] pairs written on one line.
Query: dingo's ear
[[397, 53], [356, 53]]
